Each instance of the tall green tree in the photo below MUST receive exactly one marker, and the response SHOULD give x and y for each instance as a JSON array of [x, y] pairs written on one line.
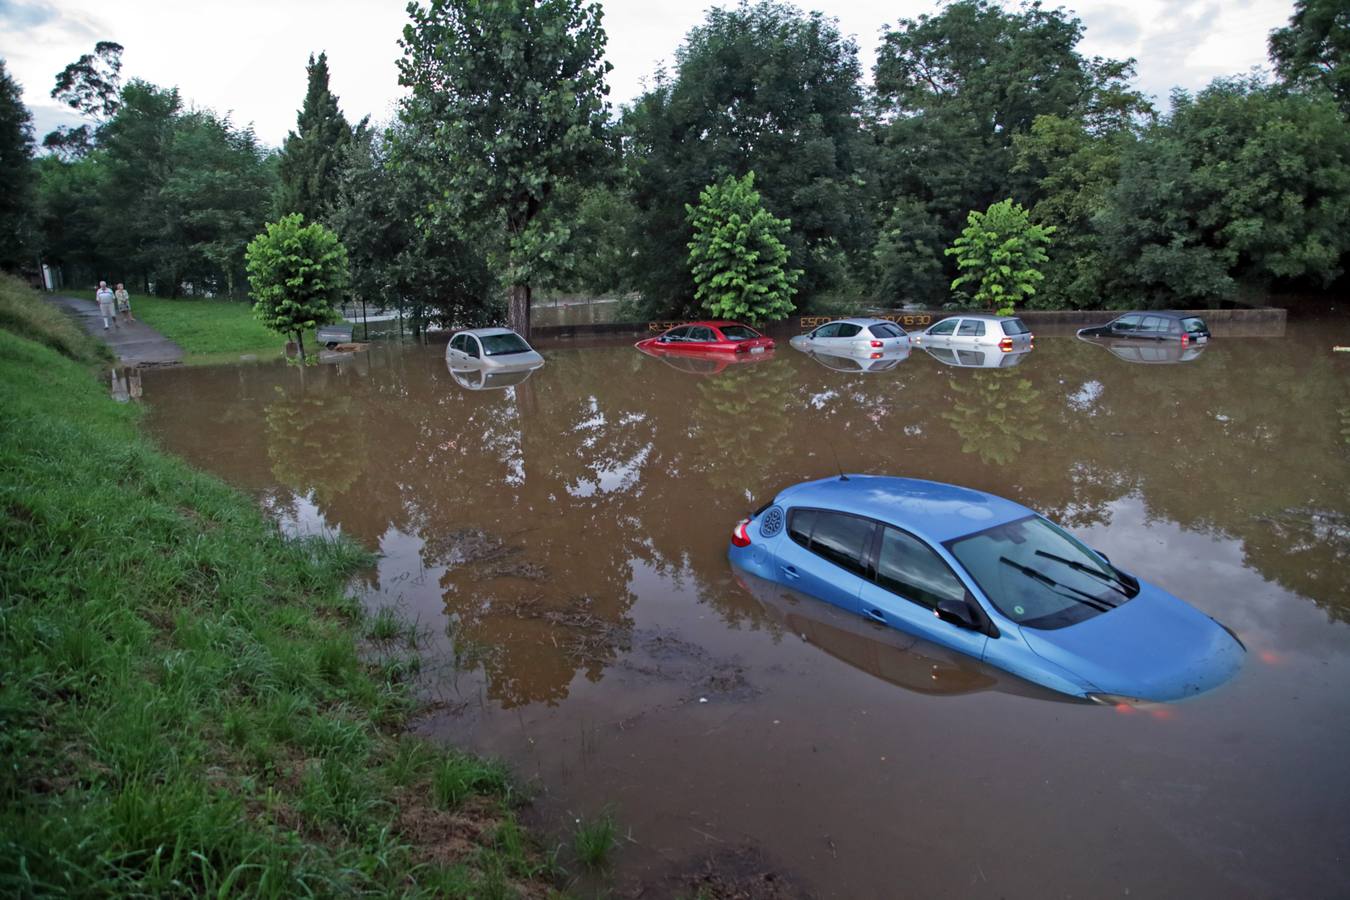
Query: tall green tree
[[1314, 48], [954, 90], [297, 274], [1000, 254], [92, 86], [738, 255], [510, 94], [16, 173], [311, 154], [759, 86], [1242, 184]]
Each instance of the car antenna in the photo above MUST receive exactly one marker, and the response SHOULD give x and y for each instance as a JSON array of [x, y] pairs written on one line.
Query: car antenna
[[842, 476]]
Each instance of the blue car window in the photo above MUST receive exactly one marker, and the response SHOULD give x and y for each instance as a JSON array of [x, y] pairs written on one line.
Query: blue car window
[[911, 569], [841, 539]]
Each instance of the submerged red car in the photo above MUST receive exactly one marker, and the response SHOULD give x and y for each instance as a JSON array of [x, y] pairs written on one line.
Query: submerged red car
[[711, 337]]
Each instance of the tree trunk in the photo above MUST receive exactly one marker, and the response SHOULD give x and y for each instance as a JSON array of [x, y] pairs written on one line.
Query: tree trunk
[[518, 310], [300, 342]]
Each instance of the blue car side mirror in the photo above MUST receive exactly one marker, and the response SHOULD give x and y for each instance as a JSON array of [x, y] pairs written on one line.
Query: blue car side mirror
[[955, 612]]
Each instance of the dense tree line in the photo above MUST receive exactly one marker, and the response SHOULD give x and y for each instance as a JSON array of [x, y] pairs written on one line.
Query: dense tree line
[[506, 169]]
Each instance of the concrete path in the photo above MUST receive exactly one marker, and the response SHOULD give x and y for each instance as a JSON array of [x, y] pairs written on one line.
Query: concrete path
[[135, 343]]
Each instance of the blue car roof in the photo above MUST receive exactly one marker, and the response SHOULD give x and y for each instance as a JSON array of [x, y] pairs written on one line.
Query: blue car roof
[[930, 509]]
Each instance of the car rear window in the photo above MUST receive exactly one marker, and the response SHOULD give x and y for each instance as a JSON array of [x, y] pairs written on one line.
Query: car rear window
[[1193, 325], [848, 329], [887, 330], [739, 333], [503, 344], [1013, 327], [842, 539]]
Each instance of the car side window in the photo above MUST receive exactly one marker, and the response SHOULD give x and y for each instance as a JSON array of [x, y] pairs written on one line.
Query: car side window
[[946, 326], [910, 568], [471, 346], [701, 333], [971, 328], [842, 539], [1126, 323], [828, 330], [457, 342], [885, 330], [1153, 325], [677, 334], [848, 329]]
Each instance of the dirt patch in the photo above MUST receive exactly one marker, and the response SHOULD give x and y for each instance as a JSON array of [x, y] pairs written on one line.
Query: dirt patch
[[485, 554]]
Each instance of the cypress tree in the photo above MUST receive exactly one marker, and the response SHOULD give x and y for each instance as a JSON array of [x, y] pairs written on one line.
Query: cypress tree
[[312, 154]]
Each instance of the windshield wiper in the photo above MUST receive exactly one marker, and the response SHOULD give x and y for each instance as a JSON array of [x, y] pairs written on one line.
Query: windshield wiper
[[1112, 581], [1083, 597]]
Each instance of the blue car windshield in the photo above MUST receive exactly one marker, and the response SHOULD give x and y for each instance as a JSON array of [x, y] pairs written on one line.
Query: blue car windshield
[[1039, 576]]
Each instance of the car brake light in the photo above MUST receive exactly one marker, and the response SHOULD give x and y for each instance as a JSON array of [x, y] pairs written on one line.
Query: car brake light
[[1185, 339], [740, 535], [876, 343], [1005, 345], [876, 356]]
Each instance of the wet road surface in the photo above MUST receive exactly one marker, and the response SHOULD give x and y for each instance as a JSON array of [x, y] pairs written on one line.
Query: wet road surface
[[563, 542]]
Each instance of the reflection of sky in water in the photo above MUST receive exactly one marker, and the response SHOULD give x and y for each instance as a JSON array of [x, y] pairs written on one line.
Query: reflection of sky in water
[[1086, 396], [618, 477]]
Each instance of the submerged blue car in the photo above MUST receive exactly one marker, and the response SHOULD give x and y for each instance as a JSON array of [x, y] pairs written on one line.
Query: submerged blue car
[[990, 578]]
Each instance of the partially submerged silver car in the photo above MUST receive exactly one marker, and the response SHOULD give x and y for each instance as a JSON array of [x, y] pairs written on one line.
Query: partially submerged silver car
[[850, 336], [490, 348], [969, 331]]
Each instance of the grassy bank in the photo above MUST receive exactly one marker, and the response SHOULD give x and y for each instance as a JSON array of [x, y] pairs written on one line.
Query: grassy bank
[[183, 705], [24, 313], [209, 330]]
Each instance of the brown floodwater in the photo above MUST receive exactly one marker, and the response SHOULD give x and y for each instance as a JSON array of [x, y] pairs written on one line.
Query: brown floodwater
[[563, 542]]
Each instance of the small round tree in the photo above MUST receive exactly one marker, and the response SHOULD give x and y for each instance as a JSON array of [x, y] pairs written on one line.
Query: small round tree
[[297, 274], [737, 256], [998, 253]]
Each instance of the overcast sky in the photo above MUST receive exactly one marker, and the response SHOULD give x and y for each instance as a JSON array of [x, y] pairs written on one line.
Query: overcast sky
[[247, 57]]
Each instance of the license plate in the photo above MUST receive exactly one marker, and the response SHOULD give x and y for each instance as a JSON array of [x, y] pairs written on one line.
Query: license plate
[[756, 349], [1201, 339]]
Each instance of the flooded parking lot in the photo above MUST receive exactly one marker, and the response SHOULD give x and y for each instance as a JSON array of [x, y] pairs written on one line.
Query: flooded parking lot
[[563, 541]]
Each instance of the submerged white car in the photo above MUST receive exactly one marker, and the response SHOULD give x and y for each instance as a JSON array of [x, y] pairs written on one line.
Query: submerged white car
[[491, 348], [849, 336], [968, 331]]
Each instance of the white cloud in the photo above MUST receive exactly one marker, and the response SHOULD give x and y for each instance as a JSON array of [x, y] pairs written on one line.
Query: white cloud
[[249, 56]]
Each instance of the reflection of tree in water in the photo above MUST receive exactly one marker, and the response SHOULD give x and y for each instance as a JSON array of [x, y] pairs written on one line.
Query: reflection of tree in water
[[314, 443], [995, 413], [739, 421]]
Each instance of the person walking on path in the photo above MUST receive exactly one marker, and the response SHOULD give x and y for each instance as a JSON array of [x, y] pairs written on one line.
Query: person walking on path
[[123, 303], [107, 304]]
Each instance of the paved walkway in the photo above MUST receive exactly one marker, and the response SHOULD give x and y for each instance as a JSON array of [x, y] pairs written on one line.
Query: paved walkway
[[135, 343]]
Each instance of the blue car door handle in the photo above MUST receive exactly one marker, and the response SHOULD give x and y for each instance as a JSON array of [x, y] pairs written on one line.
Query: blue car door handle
[[875, 615], [790, 571]]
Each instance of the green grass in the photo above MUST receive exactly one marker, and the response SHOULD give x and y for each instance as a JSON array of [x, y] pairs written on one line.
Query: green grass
[[23, 312], [209, 330], [183, 710], [594, 839]]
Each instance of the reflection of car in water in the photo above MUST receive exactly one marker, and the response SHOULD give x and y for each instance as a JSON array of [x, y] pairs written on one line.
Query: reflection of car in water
[[893, 656], [987, 577], [977, 359], [849, 336], [878, 361], [703, 362], [1159, 354], [479, 379]]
